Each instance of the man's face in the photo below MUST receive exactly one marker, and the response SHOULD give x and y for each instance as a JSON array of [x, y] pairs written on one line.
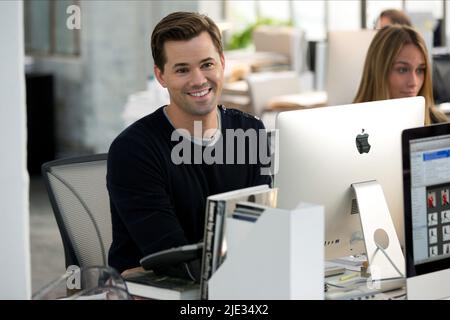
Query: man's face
[[193, 74]]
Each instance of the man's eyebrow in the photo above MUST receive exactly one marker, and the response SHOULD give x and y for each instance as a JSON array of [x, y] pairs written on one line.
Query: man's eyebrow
[[207, 59], [181, 64], [184, 64]]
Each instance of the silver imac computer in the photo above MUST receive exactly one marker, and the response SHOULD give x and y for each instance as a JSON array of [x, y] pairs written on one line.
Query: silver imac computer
[[323, 152], [426, 172]]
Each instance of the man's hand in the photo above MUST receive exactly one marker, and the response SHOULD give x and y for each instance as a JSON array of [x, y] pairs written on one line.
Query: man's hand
[[132, 270]]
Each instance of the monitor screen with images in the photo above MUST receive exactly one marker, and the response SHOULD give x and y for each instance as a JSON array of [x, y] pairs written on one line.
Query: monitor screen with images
[[428, 179], [323, 151], [426, 167]]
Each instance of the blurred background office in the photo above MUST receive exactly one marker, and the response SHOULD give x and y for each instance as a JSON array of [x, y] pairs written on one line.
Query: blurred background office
[[89, 74]]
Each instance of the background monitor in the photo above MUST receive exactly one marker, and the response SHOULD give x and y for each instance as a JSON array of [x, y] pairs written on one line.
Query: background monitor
[[426, 169], [319, 160], [344, 65], [424, 22]]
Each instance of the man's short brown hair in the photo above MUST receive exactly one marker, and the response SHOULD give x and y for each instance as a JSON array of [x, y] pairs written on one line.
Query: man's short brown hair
[[180, 26]]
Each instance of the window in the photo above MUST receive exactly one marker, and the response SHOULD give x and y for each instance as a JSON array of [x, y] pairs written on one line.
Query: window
[[46, 32], [344, 15], [432, 6], [309, 15], [240, 13], [242, 16], [316, 17], [278, 10], [375, 7]]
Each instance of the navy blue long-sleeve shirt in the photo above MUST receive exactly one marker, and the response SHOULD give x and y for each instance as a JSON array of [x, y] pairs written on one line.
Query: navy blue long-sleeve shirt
[[157, 204]]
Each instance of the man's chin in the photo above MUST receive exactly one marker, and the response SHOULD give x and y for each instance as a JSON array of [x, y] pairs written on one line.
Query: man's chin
[[202, 110], [202, 113]]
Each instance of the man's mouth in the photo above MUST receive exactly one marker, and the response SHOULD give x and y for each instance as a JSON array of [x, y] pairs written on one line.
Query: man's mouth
[[200, 93]]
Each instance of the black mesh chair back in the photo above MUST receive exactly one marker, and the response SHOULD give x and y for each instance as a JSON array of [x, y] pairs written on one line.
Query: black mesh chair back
[[80, 201], [441, 78]]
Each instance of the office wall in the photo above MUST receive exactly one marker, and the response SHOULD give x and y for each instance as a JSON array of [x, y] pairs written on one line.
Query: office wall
[[14, 214], [91, 90], [114, 43]]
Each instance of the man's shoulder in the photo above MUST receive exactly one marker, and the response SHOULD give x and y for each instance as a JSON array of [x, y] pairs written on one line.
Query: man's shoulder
[[238, 118], [142, 130]]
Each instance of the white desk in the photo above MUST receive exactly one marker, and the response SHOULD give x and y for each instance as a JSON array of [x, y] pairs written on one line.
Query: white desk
[[351, 286], [302, 100]]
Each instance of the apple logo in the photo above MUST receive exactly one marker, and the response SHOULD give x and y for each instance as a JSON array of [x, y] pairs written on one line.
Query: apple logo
[[362, 142]]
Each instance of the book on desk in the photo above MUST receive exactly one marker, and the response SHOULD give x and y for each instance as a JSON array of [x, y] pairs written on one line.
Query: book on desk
[[149, 285], [218, 208]]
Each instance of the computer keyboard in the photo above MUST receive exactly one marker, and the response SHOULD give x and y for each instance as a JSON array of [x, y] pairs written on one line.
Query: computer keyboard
[[361, 294], [383, 290], [399, 294]]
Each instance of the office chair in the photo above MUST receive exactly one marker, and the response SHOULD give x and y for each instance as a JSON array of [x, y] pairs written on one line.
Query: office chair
[[441, 78], [264, 86], [285, 41], [80, 201]]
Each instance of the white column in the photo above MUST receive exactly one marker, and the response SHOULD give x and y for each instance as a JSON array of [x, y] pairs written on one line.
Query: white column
[[14, 180]]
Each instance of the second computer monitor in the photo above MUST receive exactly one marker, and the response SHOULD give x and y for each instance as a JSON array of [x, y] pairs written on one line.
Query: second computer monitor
[[323, 151], [426, 163], [345, 66]]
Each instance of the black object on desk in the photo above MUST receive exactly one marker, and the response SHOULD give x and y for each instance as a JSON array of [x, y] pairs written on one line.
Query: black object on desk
[[441, 78], [40, 120], [181, 262], [173, 256]]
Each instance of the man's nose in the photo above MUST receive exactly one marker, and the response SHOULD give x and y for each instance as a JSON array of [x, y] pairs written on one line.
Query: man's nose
[[198, 78]]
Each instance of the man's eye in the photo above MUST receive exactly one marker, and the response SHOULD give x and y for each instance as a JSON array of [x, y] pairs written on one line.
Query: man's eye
[[182, 70], [207, 65]]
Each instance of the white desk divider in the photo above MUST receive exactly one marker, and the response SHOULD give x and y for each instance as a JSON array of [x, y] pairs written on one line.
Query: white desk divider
[[280, 256]]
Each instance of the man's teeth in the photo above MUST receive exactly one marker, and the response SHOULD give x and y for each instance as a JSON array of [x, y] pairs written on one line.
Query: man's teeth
[[200, 94]]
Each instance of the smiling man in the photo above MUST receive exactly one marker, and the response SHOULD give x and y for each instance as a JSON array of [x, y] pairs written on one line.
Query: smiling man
[[158, 203]]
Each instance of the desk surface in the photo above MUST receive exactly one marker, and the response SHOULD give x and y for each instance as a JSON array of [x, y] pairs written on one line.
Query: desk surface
[[237, 88], [302, 100], [351, 286]]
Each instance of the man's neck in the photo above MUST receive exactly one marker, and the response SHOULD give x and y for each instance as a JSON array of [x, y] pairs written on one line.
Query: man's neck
[[183, 120]]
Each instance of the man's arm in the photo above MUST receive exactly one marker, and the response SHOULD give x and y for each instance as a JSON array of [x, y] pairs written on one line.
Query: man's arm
[[138, 188]]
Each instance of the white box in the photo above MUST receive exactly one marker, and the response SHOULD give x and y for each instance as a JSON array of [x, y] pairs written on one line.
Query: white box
[[281, 256]]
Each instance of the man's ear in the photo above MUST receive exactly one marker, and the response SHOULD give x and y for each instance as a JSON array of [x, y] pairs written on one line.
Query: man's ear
[[159, 76]]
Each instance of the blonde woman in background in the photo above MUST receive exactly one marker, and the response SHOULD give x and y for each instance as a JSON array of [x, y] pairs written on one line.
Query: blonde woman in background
[[397, 66]]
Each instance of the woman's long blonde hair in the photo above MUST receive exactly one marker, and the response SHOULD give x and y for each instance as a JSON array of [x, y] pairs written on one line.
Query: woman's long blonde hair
[[383, 51]]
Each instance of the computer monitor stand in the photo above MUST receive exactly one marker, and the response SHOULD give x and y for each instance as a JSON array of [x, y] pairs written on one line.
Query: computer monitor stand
[[379, 232]]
